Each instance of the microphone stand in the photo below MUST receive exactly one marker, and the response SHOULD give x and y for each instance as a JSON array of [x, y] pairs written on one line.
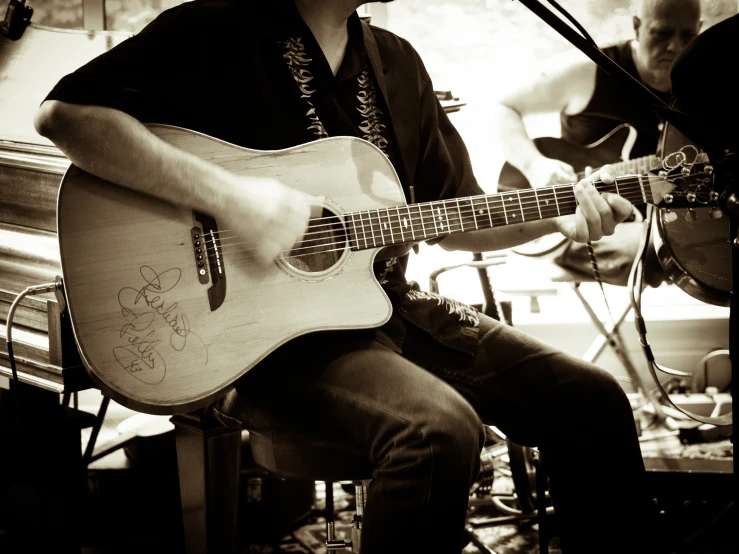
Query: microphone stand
[[725, 163]]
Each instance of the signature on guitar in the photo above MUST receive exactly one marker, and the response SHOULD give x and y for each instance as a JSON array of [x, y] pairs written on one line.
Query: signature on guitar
[[143, 309]]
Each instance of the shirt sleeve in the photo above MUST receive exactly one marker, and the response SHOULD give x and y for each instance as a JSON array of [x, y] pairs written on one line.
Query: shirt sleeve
[[141, 75], [444, 166]]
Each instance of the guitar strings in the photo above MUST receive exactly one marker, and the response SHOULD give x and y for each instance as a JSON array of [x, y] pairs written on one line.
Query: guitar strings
[[678, 158], [531, 199], [415, 227], [519, 204], [671, 161], [324, 249], [314, 238], [301, 250], [469, 215], [414, 232]]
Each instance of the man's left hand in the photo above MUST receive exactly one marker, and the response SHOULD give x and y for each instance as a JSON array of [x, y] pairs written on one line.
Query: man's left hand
[[597, 213]]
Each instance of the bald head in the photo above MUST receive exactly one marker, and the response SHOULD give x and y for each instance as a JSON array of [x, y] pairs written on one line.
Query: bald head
[[650, 8], [663, 28]]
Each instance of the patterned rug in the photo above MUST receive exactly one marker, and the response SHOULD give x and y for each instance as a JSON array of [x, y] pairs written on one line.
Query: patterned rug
[[509, 538]]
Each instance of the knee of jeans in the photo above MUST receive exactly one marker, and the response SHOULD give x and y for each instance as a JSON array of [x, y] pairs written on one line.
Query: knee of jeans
[[456, 429], [605, 393]]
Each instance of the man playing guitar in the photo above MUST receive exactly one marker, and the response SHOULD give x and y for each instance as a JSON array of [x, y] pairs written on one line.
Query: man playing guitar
[[599, 124], [410, 395], [589, 102]]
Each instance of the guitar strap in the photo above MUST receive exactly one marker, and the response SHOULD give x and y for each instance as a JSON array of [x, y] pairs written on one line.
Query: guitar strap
[[378, 68]]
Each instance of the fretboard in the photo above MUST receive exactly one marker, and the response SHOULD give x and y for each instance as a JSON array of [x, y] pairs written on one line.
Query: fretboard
[[631, 167], [417, 222], [637, 165]]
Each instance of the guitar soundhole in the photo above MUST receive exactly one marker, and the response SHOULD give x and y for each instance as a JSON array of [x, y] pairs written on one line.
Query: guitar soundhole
[[322, 246]]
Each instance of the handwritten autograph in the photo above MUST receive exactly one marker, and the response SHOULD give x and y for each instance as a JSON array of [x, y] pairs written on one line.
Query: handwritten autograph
[[140, 307]]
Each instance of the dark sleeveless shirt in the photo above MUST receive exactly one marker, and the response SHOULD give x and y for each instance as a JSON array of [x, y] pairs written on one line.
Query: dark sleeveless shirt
[[611, 106]]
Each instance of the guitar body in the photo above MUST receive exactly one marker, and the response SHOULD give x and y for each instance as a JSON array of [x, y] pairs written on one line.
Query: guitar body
[[695, 252], [163, 335], [613, 147]]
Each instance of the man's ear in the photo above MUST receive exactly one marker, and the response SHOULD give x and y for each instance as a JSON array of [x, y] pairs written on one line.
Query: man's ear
[[637, 24]]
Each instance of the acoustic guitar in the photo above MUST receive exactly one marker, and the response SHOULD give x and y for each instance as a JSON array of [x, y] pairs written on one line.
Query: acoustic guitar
[[614, 148], [166, 309]]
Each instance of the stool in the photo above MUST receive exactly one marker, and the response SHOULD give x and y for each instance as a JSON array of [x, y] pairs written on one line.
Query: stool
[[296, 457], [608, 332]]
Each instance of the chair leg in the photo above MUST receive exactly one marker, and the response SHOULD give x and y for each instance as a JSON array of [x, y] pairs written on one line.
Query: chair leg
[[541, 506], [208, 461], [360, 488], [354, 544]]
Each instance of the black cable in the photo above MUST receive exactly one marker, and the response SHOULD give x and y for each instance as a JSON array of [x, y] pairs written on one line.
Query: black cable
[[636, 286], [15, 382], [573, 21]]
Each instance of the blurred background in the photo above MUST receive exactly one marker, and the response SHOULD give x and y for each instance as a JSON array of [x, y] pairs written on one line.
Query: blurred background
[[469, 46]]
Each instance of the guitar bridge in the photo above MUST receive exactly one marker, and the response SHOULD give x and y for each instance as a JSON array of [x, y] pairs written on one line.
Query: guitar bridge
[[209, 258]]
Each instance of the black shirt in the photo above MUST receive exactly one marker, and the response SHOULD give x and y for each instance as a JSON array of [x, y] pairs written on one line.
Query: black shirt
[[251, 73], [610, 106]]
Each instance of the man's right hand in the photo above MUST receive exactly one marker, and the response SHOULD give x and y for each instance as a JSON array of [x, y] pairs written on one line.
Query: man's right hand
[[546, 172], [269, 217]]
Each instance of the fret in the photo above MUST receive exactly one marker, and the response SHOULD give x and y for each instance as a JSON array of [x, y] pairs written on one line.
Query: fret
[[374, 242], [529, 203], [379, 226], [389, 226], [502, 202], [523, 217], [556, 202], [538, 205], [446, 215], [460, 216], [551, 208], [423, 226], [356, 234], [641, 186], [615, 182], [513, 213], [570, 205], [374, 217], [450, 215], [498, 206], [490, 216], [433, 218], [400, 224], [410, 219], [472, 208]]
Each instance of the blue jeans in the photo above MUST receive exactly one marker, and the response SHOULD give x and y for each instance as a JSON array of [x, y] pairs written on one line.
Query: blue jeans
[[418, 418]]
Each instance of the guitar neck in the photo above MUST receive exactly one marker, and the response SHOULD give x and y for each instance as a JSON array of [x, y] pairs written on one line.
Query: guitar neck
[[417, 222], [637, 165], [630, 167]]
